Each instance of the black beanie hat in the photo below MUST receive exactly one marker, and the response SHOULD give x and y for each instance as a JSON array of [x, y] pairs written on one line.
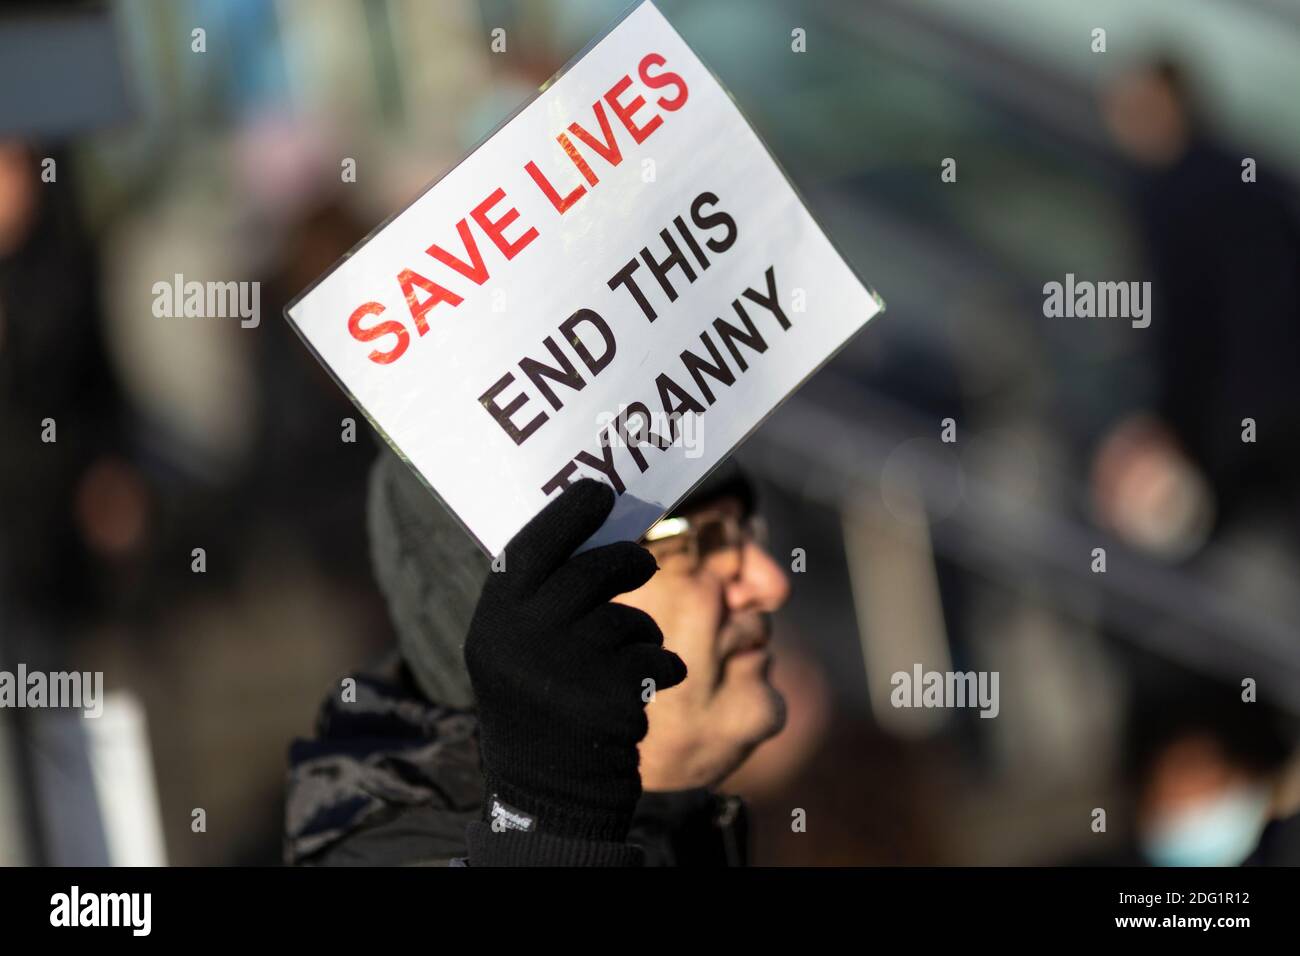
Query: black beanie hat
[[728, 480]]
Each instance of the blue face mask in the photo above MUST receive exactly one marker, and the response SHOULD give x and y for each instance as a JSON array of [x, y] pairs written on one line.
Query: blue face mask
[[1221, 832]]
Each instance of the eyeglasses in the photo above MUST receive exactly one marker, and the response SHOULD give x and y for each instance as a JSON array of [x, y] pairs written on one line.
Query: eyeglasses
[[717, 539]]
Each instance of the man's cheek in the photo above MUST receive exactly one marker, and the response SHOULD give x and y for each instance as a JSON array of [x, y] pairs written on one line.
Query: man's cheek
[[695, 631], [713, 623]]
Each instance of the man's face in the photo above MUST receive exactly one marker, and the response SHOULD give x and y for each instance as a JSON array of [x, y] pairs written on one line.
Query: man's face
[[712, 597], [1147, 119]]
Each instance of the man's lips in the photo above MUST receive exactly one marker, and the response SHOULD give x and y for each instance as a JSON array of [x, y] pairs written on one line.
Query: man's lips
[[756, 639], [749, 647]]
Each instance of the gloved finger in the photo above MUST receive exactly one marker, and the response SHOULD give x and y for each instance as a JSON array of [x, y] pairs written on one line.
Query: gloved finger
[[615, 625], [593, 578], [644, 663], [555, 533]]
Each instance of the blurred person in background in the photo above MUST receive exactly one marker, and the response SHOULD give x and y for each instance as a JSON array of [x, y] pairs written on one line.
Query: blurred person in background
[[300, 469], [71, 504], [74, 507], [1208, 767], [1225, 260], [517, 728], [1206, 773]]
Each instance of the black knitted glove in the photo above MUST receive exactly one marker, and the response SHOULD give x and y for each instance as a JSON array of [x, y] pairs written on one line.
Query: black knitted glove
[[558, 674]]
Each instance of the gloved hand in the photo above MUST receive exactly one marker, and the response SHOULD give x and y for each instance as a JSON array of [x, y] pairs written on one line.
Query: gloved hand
[[558, 674]]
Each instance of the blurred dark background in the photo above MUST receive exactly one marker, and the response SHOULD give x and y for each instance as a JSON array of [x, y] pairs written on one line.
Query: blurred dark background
[[1120, 689]]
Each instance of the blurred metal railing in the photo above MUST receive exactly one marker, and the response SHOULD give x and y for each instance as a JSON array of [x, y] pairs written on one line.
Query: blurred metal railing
[[827, 456]]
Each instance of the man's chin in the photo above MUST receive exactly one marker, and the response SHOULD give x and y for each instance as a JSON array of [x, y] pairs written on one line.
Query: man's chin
[[760, 711], [755, 712], [776, 705]]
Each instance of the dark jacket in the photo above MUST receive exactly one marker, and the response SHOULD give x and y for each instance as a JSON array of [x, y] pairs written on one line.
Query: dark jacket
[[393, 779]]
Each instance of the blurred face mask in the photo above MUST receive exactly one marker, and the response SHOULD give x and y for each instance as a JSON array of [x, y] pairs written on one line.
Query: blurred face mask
[[1218, 832]]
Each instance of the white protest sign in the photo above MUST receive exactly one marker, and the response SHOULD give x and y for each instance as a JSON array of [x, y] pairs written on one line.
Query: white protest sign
[[619, 283]]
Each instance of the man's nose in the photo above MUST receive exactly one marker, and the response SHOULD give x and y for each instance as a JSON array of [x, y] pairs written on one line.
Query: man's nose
[[762, 584]]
